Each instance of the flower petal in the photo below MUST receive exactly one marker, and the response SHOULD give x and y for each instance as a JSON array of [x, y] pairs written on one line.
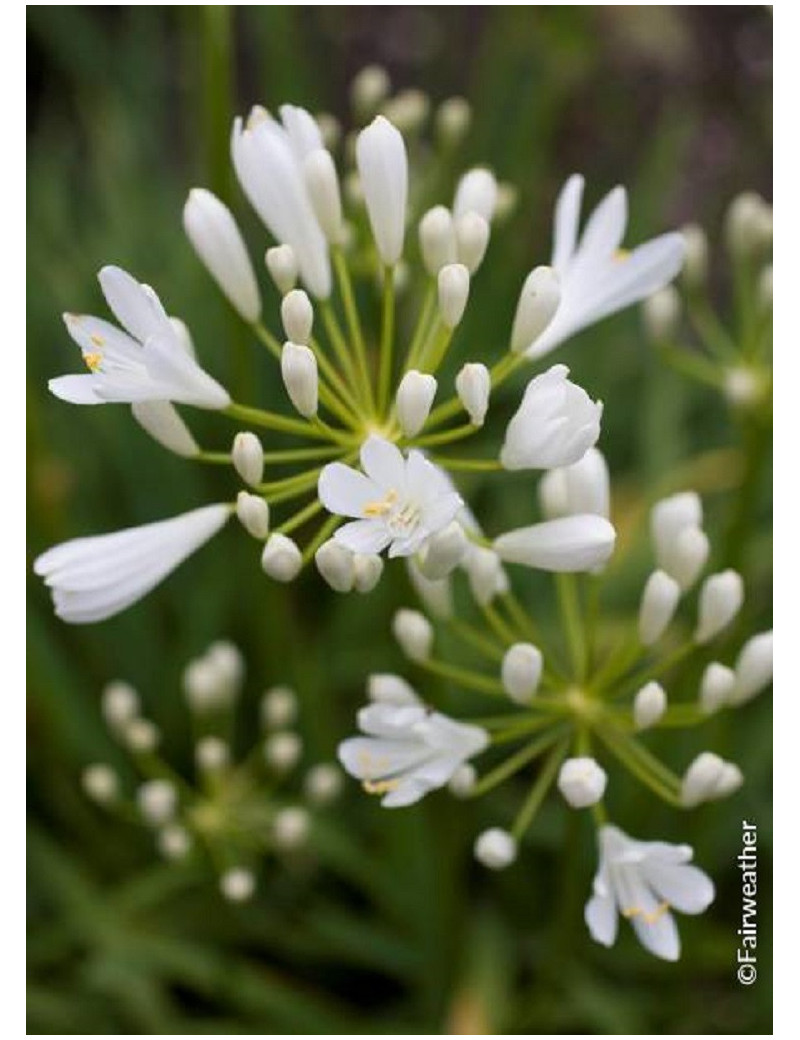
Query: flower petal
[[565, 225], [364, 536], [345, 491]]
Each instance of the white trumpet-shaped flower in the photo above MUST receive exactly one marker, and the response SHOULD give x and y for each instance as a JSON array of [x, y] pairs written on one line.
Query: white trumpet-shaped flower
[[396, 502], [597, 277], [555, 425], [269, 158], [408, 750], [145, 360], [644, 881], [94, 578]]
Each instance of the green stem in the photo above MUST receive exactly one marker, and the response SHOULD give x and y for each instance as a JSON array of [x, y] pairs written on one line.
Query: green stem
[[423, 324], [353, 324], [336, 337], [273, 421], [473, 465], [300, 517], [387, 340], [482, 643], [654, 671], [621, 747], [322, 535], [538, 792], [569, 603], [464, 677], [515, 762], [447, 437]]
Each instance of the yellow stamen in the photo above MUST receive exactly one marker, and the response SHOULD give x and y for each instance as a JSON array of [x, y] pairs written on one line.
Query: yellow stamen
[[651, 918], [382, 506], [98, 341], [93, 361], [622, 254], [379, 786]]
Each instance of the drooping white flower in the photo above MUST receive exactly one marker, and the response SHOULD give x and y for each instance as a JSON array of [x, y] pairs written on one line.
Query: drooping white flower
[[555, 424], [383, 169], [644, 881], [268, 157], [597, 277], [583, 487], [571, 544], [408, 750], [145, 360], [397, 502], [96, 577]]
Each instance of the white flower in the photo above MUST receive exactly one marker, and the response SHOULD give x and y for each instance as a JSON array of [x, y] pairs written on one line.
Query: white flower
[[597, 277], [573, 543], [94, 578], [145, 360], [383, 169], [582, 487], [555, 425], [336, 565], [709, 778], [322, 184], [268, 158], [582, 782], [643, 881], [476, 192], [398, 502], [217, 240], [537, 304], [408, 750], [162, 421], [443, 552]]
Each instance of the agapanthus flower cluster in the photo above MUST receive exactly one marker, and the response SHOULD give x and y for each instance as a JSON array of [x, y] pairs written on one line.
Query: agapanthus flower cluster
[[572, 713], [370, 431], [228, 814]]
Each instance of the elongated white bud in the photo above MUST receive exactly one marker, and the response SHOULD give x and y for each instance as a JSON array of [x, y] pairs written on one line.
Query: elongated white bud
[[453, 285], [472, 238], [452, 120], [367, 571], [157, 800], [247, 456], [748, 224], [217, 240], [386, 688], [227, 660], [369, 88], [211, 754], [162, 421], [383, 169], [583, 487], [300, 377], [485, 574], [119, 704], [322, 784], [695, 262], [716, 687], [473, 386], [582, 782], [322, 184], [662, 314], [444, 551], [495, 848], [753, 668], [253, 514], [536, 307], [281, 559], [462, 782], [101, 783], [290, 827], [571, 544], [437, 239], [408, 110], [237, 885], [708, 778], [415, 396], [670, 516], [282, 750], [436, 594], [476, 192], [521, 671], [721, 598], [684, 558], [659, 600], [649, 705], [278, 707], [335, 564], [297, 315], [282, 266], [414, 633]]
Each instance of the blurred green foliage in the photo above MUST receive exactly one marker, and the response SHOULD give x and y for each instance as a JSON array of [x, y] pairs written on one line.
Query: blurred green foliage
[[392, 928]]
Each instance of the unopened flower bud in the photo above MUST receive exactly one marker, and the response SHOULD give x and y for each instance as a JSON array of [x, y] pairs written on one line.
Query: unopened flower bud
[[472, 238], [386, 688], [444, 551], [414, 633], [649, 705], [437, 239], [335, 564], [369, 88], [695, 263], [217, 240], [521, 671], [226, 659], [462, 782], [237, 885], [753, 668], [330, 128], [507, 199], [157, 800], [300, 377], [583, 487], [367, 571], [571, 544], [211, 754], [764, 289], [174, 842], [452, 120], [322, 185], [485, 574], [453, 293], [495, 848], [748, 224], [716, 687], [721, 597], [476, 192], [101, 783], [290, 827], [708, 778], [415, 396], [247, 456], [253, 514], [297, 315], [582, 782], [140, 735], [282, 266], [659, 600], [120, 704], [742, 386], [473, 386], [536, 307], [278, 707], [164, 424], [383, 170], [685, 558], [323, 784], [670, 515], [408, 110], [662, 314], [281, 559], [282, 750]]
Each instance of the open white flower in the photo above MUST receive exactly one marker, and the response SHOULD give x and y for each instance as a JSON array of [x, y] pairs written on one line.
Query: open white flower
[[397, 502], [408, 750], [145, 360], [597, 277], [643, 880], [93, 578], [268, 157]]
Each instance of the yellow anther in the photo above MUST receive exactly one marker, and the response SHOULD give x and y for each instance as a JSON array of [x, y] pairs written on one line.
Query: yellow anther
[[379, 786], [382, 506], [648, 918], [93, 361], [621, 254], [98, 340]]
